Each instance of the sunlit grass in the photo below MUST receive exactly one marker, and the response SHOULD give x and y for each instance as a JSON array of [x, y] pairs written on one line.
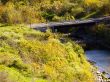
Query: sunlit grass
[[32, 55]]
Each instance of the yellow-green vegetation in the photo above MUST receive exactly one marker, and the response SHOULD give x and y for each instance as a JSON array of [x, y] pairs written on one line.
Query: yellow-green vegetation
[[35, 11], [27, 55]]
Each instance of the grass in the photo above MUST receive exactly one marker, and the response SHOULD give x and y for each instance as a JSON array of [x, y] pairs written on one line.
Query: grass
[[90, 15], [27, 55]]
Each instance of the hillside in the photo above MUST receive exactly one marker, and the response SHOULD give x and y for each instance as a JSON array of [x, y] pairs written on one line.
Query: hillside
[[27, 55], [37, 11]]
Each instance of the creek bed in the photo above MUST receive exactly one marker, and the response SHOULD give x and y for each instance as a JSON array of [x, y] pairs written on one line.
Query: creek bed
[[101, 59]]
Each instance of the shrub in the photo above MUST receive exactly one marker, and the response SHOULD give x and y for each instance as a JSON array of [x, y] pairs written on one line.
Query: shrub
[[11, 75]]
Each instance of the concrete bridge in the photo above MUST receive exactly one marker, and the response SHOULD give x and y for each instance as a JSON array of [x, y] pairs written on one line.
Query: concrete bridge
[[77, 30], [65, 25]]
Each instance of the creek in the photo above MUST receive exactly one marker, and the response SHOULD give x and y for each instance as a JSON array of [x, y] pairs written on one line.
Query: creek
[[101, 59]]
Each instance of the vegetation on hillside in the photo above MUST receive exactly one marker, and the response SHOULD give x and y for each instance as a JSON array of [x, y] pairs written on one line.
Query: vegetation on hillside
[[27, 55], [35, 11]]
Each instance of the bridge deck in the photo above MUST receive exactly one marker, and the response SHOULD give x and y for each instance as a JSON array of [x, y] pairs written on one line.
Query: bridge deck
[[71, 23]]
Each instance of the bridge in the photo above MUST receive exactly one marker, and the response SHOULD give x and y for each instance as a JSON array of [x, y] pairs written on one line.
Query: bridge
[[56, 26], [79, 30]]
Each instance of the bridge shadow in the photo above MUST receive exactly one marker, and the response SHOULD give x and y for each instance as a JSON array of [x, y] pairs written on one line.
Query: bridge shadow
[[82, 36]]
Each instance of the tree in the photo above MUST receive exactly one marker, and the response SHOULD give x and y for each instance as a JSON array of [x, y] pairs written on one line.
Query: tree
[[92, 4]]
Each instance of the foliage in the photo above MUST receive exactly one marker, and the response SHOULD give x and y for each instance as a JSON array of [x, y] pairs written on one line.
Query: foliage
[[27, 55], [35, 11]]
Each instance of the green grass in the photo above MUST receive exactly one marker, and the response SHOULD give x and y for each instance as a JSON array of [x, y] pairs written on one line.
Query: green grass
[[27, 55]]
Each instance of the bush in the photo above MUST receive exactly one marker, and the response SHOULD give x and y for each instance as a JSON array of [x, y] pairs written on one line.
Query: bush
[[11, 75]]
